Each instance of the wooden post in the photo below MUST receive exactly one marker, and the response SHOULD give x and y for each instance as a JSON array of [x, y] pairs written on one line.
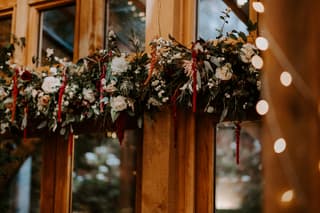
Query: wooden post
[[55, 175], [292, 30]]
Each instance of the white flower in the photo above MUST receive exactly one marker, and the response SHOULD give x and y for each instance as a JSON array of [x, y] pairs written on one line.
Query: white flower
[[49, 52], [246, 52], [210, 109], [119, 65], [197, 47], [51, 84], [224, 72], [88, 95], [119, 103], [53, 71]]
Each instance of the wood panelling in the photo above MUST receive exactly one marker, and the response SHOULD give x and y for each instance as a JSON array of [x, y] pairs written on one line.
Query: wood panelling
[[7, 4], [205, 140], [292, 28], [55, 175], [90, 26], [156, 161]]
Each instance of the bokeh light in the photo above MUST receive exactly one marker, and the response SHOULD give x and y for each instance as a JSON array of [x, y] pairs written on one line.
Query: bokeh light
[[262, 107], [279, 145], [285, 78], [257, 62], [287, 196], [262, 43], [258, 7]]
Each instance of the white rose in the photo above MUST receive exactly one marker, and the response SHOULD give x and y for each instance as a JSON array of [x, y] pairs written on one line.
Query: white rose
[[224, 72], [119, 103], [119, 65], [246, 52], [50, 52], [51, 84], [53, 71], [88, 95]]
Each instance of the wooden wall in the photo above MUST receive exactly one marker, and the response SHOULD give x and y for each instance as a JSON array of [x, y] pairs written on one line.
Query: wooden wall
[[292, 28]]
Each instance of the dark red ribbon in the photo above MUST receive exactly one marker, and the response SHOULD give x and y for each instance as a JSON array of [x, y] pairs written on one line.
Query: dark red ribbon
[[237, 131], [194, 80], [120, 126], [61, 92], [15, 92]]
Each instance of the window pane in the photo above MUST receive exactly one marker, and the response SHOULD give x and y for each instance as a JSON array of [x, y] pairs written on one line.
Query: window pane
[[209, 12], [104, 174], [5, 30], [22, 192], [57, 31], [238, 187], [124, 17]]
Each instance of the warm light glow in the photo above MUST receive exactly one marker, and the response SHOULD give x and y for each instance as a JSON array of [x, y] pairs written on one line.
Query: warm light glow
[[262, 107], [258, 7], [130, 2], [279, 145], [114, 135], [319, 165], [285, 78], [257, 62], [262, 43], [240, 3], [287, 196]]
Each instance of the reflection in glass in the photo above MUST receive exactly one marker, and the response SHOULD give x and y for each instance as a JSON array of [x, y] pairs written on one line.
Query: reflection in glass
[[238, 187], [104, 174], [22, 191], [124, 17], [57, 31], [5, 30], [209, 12]]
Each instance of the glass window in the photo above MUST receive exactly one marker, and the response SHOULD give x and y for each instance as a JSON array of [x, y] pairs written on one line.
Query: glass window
[[57, 31], [209, 22], [238, 187], [104, 174], [5, 30], [21, 193], [125, 17]]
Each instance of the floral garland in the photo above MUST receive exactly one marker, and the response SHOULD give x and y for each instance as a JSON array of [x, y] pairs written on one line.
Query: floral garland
[[216, 77]]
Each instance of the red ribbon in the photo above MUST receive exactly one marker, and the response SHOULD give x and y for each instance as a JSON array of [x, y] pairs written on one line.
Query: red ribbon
[[194, 80], [70, 142], [238, 129], [102, 76], [61, 92], [15, 92], [120, 126]]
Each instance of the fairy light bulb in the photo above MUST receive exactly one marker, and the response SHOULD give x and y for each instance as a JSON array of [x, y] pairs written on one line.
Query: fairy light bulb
[[279, 145], [240, 3], [257, 62], [258, 7], [285, 78], [287, 196], [262, 43], [262, 107]]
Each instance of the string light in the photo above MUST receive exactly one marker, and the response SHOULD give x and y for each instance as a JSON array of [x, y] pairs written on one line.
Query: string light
[[262, 107], [287, 196], [262, 43], [258, 7], [257, 62], [240, 3], [285, 78], [279, 145]]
